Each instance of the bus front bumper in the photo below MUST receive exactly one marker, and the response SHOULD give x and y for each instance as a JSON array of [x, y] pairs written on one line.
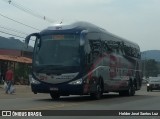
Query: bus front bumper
[[62, 89]]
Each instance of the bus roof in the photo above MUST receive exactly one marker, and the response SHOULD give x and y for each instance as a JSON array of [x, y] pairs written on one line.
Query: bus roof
[[81, 25]]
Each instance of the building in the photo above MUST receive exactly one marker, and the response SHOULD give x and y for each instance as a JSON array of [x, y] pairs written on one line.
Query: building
[[13, 52]]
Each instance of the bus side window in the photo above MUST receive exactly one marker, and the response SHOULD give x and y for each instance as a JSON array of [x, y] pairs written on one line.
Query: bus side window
[[104, 47], [87, 47], [96, 51], [95, 45], [88, 58], [87, 50]]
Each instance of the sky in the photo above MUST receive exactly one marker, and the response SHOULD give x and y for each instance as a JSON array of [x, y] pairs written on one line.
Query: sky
[[134, 20]]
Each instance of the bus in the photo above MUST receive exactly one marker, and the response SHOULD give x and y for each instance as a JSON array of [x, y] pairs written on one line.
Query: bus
[[84, 59]]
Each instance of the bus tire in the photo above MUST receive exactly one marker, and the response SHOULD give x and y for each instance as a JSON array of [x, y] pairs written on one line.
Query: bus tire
[[121, 93], [135, 83], [54, 96], [98, 94], [131, 90]]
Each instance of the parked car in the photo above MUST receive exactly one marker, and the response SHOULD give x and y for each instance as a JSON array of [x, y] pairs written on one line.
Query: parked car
[[153, 84]]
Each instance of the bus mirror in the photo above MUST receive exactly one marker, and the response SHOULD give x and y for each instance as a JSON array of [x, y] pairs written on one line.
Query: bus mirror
[[28, 38], [82, 37]]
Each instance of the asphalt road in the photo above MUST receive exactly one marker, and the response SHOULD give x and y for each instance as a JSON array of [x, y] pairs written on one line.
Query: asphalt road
[[24, 99]]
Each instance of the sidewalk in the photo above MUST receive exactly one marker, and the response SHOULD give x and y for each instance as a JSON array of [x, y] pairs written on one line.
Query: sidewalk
[[22, 91], [19, 89]]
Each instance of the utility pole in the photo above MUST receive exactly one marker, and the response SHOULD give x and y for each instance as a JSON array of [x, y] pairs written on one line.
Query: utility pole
[[144, 66]]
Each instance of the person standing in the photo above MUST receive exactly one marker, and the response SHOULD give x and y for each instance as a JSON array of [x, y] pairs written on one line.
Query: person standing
[[0, 76], [9, 79]]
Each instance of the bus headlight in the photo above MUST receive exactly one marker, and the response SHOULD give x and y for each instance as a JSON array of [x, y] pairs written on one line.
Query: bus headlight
[[33, 81], [76, 82], [147, 84]]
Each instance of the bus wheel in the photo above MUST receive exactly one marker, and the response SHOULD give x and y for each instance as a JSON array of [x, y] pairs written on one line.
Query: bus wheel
[[122, 93], [98, 94], [131, 90], [54, 95]]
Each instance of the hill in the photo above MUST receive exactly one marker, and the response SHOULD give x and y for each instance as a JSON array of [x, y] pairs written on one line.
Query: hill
[[151, 54], [13, 44]]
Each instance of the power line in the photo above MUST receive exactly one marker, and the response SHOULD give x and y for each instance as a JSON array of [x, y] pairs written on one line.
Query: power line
[[11, 34], [15, 35], [14, 30], [18, 22], [29, 11]]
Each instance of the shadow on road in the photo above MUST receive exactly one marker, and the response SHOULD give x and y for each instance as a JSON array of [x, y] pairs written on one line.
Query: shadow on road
[[105, 97]]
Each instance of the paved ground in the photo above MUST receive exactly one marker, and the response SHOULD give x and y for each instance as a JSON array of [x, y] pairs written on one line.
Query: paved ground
[[20, 91], [24, 91], [19, 88], [24, 99]]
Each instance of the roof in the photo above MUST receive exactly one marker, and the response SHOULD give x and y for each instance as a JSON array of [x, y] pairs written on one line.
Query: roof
[[16, 59]]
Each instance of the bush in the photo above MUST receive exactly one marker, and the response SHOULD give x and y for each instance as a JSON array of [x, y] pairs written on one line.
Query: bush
[[21, 73]]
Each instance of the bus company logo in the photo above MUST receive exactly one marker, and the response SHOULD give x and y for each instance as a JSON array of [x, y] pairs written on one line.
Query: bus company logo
[[6, 113]]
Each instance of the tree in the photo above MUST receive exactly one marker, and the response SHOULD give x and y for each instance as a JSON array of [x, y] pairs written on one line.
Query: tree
[[151, 68], [21, 72]]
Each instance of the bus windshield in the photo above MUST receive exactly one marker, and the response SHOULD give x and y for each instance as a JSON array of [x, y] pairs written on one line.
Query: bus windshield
[[57, 50]]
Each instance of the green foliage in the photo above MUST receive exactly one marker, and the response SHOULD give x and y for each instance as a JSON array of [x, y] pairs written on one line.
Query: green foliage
[[21, 72], [151, 68]]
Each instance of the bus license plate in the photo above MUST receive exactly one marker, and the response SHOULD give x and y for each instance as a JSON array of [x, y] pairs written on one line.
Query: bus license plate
[[53, 89]]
